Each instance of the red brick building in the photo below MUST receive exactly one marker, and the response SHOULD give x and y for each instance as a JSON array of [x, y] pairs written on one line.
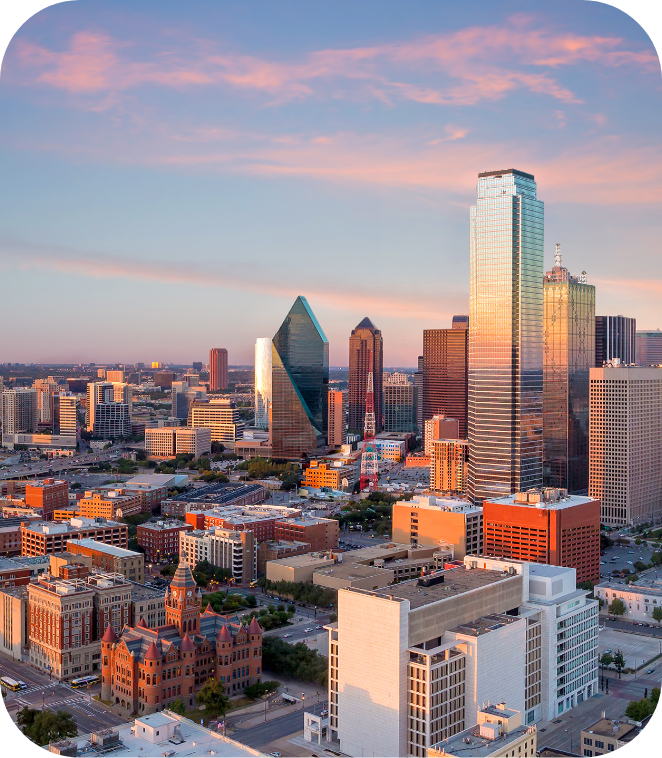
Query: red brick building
[[263, 527], [46, 537], [144, 669], [48, 495], [321, 533], [160, 539], [545, 526], [13, 574]]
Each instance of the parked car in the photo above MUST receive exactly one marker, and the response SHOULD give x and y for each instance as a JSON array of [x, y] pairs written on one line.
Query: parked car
[[308, 629], [650, 671], [286, 636]]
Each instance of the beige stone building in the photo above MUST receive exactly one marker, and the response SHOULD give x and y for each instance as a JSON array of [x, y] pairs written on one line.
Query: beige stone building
[[13, 621], [109, 558], [168, 441], [607, 735]]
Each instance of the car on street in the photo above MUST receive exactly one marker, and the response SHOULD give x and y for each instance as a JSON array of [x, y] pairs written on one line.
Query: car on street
[[319, 626], [286, 636], [22, 685], [275, 754], [324, 713], [650, 671], [308, 629], [630, 563]]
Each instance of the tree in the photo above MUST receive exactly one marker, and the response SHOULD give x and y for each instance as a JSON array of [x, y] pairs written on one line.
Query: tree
[[212, 696], [43, 727], [178, 707], [657, 614], [607, 659], [254, 691], [619, 662], [617, 607], [656, 558], [638, 710]]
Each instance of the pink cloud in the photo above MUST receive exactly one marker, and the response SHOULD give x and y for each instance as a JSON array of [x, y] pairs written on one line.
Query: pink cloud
[[463, 66]]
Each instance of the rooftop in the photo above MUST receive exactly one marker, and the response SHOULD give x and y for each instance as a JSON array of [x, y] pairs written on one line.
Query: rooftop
[[195, 740], [469, 743], [220, 492], [546, 499], [306, 559], [162, 524], [158, 480], [619, 730], [456, 582], [450, 504], [102, 547], [485, 625]]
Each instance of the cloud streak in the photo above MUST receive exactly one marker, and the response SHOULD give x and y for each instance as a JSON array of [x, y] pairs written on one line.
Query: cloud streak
[[481, 63]]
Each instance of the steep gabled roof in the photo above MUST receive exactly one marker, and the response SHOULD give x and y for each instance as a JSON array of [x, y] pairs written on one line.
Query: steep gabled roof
[[109, 635], [254, 627], [152, 653]]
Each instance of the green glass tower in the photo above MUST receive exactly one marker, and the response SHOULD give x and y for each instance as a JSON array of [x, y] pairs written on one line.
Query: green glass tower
[[569, 353], [300, 383], [505, 336]]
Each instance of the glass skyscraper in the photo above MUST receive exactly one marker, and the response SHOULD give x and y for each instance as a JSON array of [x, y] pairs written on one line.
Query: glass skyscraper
[[300, 384], [262, 382], [568, 355], [505, 336], [365, 339]]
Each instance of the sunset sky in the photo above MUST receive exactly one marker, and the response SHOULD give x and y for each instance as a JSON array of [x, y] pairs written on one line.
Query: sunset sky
[[180, 172]]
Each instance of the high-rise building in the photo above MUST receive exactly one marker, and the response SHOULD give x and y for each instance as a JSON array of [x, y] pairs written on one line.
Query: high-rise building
[[221, 416], [364, 340], [417, 660], [445, 374], [183, 396], [115, 375], [625, 444], [615, 339], [568, 356], [20, 411], [223, 548], [300, 382], [505, 336], [399, 406], [649, 348], [439, 428], [65, 418], [164, 379], [109, 409], [460, 322], [545, 526], [168, 441], [218, 369], [45, 390], [337, 418], [418, 383], [449, 466], [262, 382]]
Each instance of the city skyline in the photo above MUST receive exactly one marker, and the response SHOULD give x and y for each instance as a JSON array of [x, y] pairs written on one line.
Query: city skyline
[[360, 149]]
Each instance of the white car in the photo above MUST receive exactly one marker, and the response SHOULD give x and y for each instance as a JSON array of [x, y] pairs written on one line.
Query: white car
[[308, 629], [630, 563], [286, 636]]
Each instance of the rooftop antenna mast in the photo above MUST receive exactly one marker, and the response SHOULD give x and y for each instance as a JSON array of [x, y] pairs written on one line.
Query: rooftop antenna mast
[[557, 255], [369, 461]]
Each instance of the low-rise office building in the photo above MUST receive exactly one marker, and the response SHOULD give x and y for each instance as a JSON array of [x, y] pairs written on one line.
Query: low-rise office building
[[320, 475], [46, 537], [640, 598], [427, 520], [321, 533], [111, 559], [110, 504], [223, 548], [273, 550], [607, 735], [167, 441], [160, 539]]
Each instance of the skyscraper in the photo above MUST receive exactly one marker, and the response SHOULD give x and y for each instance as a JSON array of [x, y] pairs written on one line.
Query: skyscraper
[[299, 384], [399, 406], [337, 421], [365, 338], [445, 374], [615, 338], [109, 409], [218, 369], [262, 382], [20, 412], [568, 355], [505, 336], [649, 348], [418, 383]]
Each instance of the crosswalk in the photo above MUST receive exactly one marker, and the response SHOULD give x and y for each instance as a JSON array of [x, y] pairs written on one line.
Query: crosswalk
[[39, 688]]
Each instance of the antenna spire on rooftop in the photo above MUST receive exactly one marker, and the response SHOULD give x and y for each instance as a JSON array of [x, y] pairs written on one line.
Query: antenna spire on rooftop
[[557, 255]]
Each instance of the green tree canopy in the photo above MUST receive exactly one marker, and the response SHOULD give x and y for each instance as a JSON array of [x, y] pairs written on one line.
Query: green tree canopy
[[657, 614], [617, 607], [607, 659], [42, 727], [212, 696], [178, 707]]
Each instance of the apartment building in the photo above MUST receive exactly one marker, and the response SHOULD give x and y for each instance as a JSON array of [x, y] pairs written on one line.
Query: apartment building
[[337, 433], [169, 441], [439, 428], [427, 520], [47, 495], [321, 533], [65, 418], [110, 559], [439, 647], [224, 548], [67, 618], [160, 539], [46, 537], [545, 526], [449, 466], [110, 504]]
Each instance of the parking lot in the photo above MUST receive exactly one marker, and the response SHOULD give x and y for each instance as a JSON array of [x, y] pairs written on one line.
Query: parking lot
[[626, 556], [636, 648]]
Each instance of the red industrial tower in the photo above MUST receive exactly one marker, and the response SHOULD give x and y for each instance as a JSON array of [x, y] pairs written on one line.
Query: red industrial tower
[[369, 464]]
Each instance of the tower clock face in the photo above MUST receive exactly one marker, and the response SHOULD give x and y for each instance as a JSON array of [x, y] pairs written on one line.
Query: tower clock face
[[189, 593], [174, 593]]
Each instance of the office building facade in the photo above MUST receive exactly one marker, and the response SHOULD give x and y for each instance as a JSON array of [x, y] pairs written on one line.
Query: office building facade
[[65, 418], [221, 417], [505, 336], [445, 374], [449, 466], [168, 441], [568, 356], [625, 444], [109, 407], [183, 396], [300, 383], [545, 526], [615, 340], [218, 369], [20, 412], [223, 548], [364, 340], [649, 348], [399, 406], [262, 382], [337, 431], [439, 428]]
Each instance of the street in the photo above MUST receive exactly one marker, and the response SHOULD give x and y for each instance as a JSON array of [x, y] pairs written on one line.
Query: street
[[261, 735]]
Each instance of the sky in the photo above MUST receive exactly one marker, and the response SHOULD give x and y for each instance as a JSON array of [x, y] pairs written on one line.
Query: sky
[[180, 172]]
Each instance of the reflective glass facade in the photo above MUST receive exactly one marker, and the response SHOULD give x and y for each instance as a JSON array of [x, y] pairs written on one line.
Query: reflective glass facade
[[615, 337], [262, 382], [300, 383], [505, 336], [365, 339], [445, 375], [568, 355]]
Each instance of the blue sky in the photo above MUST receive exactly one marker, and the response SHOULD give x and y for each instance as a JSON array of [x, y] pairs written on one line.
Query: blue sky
[[181, 171]]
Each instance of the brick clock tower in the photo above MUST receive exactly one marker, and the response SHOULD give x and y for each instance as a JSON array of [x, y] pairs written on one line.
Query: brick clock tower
[[183, 601]]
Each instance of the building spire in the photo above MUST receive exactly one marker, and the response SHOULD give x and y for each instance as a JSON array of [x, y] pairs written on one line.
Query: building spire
[[557, 255]]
